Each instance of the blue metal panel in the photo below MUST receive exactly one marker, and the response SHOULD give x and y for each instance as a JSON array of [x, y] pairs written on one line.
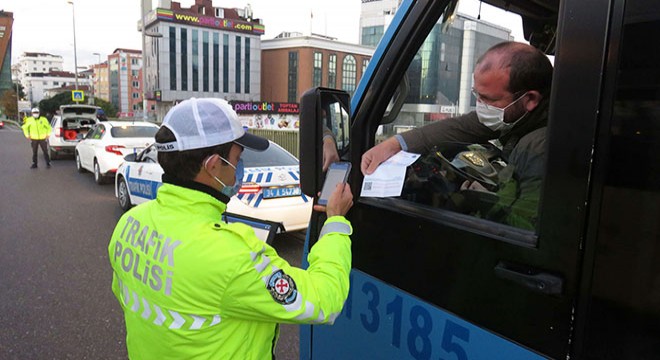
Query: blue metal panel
[[382, 322]]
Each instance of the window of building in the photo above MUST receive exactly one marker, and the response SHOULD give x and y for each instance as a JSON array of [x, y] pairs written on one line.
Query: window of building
[[135, 73], [216, 62], [136, 107], [293, 77], [237, 73], [134, 61], [348, 76], [225, 63], [365, 63], [205, 61], [247, 65], [136, 95], [332, 71], [219, 12], [136, 84], [317, 70], [195, 60], [371, 35], [184, 59], [172, 58], [56, 83]]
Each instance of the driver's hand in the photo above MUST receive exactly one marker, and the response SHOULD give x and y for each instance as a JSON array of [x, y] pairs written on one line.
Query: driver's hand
[[473, 185], [377, 154], [339, 202], [330, 154]]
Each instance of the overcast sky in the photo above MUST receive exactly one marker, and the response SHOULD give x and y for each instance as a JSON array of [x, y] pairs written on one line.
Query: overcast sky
[[105, 25]]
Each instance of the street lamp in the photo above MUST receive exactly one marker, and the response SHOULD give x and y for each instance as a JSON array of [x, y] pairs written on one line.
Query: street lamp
[[96, 76], [75, 54]]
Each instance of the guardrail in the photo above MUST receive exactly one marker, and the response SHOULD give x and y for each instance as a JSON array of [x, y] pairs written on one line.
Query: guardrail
[[288, 139]]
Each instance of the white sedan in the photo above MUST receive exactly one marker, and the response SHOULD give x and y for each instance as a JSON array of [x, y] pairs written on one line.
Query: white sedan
[[102, 150], [270, 191]]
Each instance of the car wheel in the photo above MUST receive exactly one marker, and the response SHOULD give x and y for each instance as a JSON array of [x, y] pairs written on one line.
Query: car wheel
[[79, 164], [123, 195], [98, 177]]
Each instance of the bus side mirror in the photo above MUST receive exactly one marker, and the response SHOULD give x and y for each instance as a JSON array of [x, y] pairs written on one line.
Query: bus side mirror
[[323, 111]]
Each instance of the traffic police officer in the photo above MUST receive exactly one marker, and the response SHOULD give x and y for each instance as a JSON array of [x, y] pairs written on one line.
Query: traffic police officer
[[37, 129], [192, 286]]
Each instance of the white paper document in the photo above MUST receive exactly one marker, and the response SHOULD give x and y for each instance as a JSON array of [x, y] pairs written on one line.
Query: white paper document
[[388, 178]]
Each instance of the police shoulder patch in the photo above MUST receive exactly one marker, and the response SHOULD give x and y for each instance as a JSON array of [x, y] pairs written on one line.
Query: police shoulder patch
[[282, 288]]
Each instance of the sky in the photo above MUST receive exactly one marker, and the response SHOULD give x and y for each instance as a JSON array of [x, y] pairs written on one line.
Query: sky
[[105, 25]]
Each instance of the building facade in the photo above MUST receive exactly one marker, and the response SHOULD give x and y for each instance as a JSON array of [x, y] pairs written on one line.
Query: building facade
[[36, 85], [6, 25], [375, 16], [125, 83], [440, 75], [38, 63], [101, 81], [292, 63], [201, 51]]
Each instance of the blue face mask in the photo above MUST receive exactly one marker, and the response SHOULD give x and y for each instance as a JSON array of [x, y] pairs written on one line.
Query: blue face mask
[[238, 179]]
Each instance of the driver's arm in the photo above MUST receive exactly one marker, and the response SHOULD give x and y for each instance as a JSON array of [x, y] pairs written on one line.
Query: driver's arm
[[465, 129]]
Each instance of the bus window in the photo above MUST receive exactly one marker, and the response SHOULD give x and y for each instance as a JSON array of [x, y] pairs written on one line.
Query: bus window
[[492, 175]]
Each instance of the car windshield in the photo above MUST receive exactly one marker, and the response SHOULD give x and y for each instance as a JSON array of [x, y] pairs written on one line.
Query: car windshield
[[273, 156], [133, 131]]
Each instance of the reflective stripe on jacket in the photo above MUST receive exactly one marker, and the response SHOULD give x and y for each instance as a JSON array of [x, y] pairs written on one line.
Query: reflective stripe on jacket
[[36, 129], [194, 287]]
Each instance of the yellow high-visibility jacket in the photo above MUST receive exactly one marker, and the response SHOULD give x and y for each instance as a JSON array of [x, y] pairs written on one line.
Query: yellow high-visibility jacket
[[36, 129], [194, 287]]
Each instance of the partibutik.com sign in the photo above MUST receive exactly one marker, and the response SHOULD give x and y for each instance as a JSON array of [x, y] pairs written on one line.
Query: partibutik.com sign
[[210, 22]]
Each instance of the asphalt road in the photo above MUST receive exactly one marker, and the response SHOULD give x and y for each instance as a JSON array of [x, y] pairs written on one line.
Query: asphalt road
[[55, 297]]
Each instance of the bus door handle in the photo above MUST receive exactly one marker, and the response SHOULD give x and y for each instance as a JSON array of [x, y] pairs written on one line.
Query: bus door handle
[[531, 278]]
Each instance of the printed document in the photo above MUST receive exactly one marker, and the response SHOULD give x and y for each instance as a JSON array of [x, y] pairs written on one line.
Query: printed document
[[387, 180]]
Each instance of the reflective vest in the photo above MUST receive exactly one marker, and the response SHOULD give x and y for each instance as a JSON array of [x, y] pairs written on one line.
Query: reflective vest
[[194, 287], [36, 129]]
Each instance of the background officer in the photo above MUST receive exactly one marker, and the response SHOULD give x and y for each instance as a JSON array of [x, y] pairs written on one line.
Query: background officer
[[194, 287], [37, 129]]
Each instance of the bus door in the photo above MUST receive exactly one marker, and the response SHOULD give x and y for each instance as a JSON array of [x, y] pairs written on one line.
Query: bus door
[[432, 279]]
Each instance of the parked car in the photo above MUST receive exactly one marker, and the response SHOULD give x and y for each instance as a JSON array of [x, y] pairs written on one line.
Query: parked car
[[270, 191], [102, 150], [69, 126], [2, 124]]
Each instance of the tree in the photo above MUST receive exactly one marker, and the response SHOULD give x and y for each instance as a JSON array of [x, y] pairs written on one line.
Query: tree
[[53, 104], [8, 102], [109, 109]]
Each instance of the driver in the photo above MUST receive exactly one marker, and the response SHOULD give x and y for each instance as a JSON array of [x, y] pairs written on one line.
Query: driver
[[511, 84]]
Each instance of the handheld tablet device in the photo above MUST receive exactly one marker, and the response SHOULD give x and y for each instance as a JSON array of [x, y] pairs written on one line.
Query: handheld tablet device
[[337, 173]]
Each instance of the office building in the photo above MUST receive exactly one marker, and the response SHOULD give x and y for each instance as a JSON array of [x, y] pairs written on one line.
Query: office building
[[440, 75], [6, 25], [201, 51]]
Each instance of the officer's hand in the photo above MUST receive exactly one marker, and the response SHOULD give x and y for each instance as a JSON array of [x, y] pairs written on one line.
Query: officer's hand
[[330, 154], [377, 154], [340, 201]]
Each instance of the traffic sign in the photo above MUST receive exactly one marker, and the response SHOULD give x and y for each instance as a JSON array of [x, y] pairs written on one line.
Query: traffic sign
[[78, 95]]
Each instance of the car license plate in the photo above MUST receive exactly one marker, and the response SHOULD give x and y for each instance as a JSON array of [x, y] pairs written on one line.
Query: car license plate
[[277, 192]]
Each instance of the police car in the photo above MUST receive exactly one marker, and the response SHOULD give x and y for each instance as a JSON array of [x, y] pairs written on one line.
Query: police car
[[270, 191]]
